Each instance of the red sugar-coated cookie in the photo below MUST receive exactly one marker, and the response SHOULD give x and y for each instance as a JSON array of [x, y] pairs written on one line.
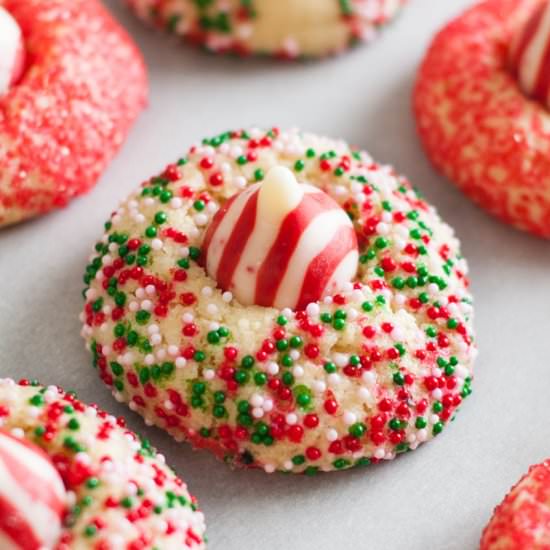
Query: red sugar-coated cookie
[[84, 84], [477, 125], [522, 520]]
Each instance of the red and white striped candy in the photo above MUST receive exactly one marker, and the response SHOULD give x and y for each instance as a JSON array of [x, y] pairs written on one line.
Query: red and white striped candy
[[32, 496], [12, 51], [530, 55], [282, 244]]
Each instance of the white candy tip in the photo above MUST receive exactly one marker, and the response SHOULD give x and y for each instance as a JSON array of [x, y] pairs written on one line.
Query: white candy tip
[[280, 193]]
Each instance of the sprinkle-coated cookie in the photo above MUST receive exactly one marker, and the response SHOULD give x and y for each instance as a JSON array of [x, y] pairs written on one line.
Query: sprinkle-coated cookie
[[286, 28], [481, 109], [64, 118], [356, 376], [116, 492]]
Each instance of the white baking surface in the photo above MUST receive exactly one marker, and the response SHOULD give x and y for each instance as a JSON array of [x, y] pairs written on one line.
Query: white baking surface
[[438, 497]]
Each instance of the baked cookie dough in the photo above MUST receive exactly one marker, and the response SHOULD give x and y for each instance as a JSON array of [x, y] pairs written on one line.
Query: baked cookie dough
[[62, 120], [288, 29], [116, 492], [357, 376], [481, 103], [522, 520]]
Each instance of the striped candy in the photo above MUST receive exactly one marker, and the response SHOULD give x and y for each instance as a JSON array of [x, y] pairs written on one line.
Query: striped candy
[[32, 496], [281, 244], [530, 55], [12, 53]]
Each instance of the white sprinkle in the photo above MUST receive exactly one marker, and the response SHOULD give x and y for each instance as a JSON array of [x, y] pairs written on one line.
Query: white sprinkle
[[319, 386], [201, 219], [341, 359], [313, 309], [256, 400], [140, 293], [382, 228], [91, 294], [400, 299], [239, 182], [369, 377], [291, 419], [437, 393], [353, 314], [257, 412], [364, 393], [155, 339], [422, 435], [272, 368], [152, 329], [350, 418], [298, 371], [212, 309]]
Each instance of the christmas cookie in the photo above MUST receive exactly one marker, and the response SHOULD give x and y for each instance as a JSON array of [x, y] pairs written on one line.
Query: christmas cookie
[[522, 520], [73, 477], [71, 84], [284, 301], [284, 28], [482, 108]]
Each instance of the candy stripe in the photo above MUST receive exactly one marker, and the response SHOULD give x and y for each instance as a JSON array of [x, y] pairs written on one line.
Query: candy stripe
[[325, 265], [42, 519], [260, 246], [524, 39], [276, 263], [530, 63], [542, 85], [15, 527], [31, 472], [218, 219], [223, 223], [11, 52], [236, 243], [314, 241], [531, 55]]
